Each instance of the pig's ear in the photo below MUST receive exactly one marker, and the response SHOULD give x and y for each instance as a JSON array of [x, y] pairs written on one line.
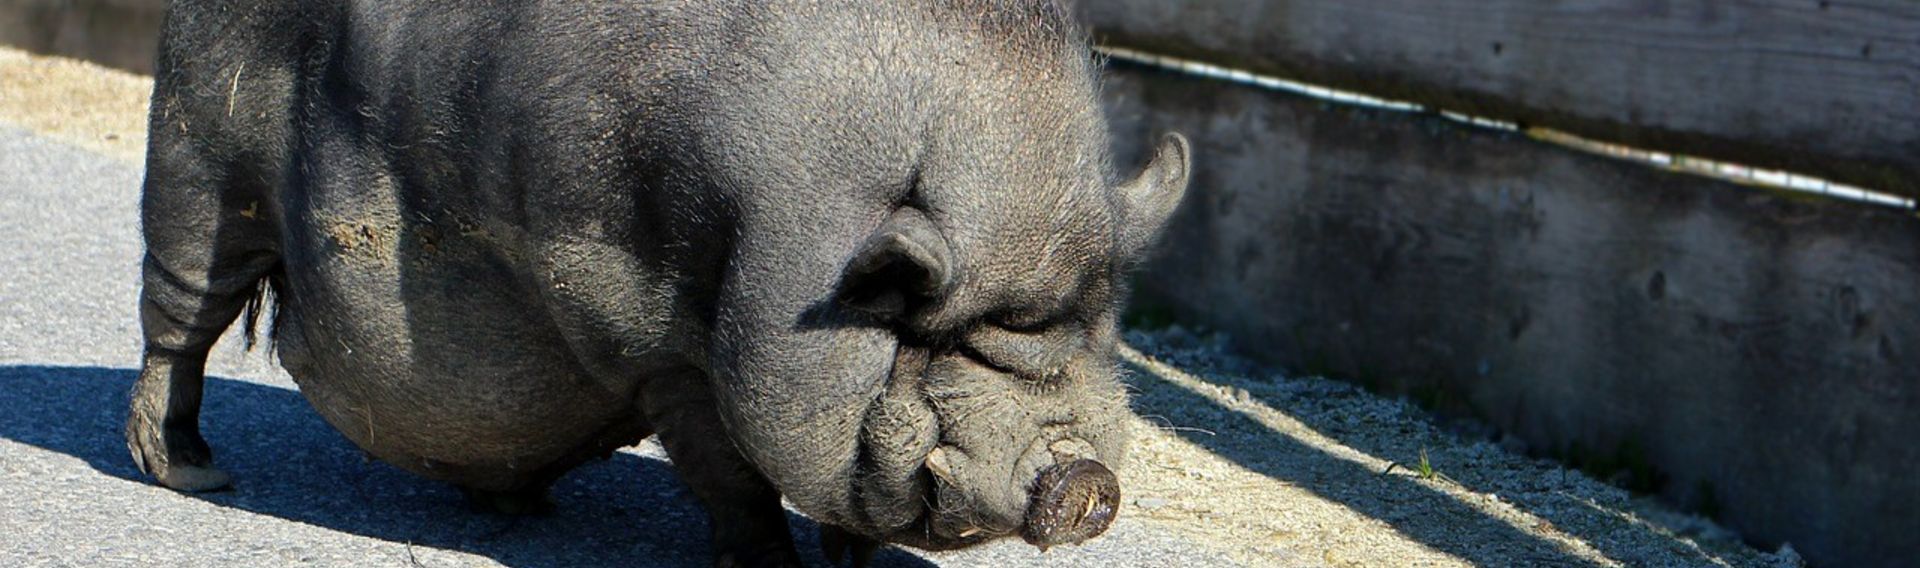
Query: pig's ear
[[1152, 196], [905, 264]]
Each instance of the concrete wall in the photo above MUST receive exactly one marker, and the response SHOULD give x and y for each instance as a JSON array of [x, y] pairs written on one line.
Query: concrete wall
[[1746, 353]]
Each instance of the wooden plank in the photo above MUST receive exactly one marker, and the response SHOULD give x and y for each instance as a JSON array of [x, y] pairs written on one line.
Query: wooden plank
[[1727, 346], [1829, 88]]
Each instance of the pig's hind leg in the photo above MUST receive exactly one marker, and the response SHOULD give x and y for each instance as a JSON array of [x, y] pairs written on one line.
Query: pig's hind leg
[[204, 266], [212, 245]]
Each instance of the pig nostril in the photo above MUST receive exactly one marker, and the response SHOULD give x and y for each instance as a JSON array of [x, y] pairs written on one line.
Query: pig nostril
[[1071, 502]]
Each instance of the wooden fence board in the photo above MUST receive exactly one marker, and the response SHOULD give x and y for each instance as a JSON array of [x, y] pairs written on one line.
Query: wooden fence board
[[1728, 344], [1829, 88]]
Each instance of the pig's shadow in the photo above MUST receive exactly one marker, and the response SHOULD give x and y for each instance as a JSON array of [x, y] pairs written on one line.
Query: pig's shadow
[[289, 464]]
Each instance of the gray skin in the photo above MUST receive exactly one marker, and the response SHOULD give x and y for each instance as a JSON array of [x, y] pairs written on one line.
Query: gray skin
[[864, 255]]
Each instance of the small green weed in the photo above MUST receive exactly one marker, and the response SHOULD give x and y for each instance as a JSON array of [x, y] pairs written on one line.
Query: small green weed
[[1424, 470]]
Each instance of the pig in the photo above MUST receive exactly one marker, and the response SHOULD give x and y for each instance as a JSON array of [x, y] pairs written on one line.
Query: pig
[[866, 255]]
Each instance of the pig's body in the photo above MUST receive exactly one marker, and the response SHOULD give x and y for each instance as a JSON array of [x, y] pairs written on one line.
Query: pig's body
[[862, 254]]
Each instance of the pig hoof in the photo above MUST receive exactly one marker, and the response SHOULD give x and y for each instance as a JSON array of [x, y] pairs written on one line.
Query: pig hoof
[[179, 459], [836, 543], [773, 555], [515, 503], [193, 479]]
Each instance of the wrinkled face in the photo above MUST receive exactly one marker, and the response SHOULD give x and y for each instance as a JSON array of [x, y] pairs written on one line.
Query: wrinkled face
[[991, 387], [1025, 417], [1003, 413]]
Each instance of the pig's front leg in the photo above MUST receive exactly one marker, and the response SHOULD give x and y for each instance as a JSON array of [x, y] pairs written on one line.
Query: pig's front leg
[[749, 526]]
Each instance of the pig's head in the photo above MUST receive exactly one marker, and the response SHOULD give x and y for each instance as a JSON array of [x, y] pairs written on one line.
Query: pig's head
[[962, 385], [939, 368], [1002, 411]]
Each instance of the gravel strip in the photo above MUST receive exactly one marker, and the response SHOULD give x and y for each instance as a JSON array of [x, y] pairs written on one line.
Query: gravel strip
[[1312, 471]]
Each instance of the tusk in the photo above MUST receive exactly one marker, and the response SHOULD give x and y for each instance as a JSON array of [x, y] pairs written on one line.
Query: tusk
[[938, 464]]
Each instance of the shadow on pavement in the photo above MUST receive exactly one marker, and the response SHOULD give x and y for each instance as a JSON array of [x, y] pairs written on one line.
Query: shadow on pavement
[[288, 463]]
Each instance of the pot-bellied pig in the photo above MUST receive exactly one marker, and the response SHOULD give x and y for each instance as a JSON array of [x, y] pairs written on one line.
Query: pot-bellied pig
[[865, 255]]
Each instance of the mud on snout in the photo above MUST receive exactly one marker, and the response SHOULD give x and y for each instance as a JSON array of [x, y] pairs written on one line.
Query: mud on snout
[[956, 453]]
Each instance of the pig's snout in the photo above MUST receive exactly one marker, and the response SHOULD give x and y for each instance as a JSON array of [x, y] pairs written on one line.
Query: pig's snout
[[1070, 496], [1070, 502]]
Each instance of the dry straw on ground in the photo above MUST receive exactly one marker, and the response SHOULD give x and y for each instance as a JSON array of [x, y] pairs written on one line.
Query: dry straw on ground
[[86, 105]]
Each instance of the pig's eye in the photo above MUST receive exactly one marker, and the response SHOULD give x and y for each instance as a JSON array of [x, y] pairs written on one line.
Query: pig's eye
[[991, 362], [1033, 356], [1021, 325]]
